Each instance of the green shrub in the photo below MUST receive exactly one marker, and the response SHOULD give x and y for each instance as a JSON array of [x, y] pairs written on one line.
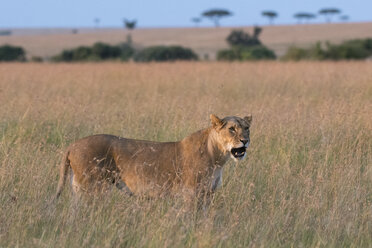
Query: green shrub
[[257, 53], [353, 49], [315, 52], [348, 50], [12, 53], [98, 52], [37, 59], [365, 43], [104, 51], [246, 53], [165, 53], [83, 53], [296, 54], [127, 51], [228, 54]]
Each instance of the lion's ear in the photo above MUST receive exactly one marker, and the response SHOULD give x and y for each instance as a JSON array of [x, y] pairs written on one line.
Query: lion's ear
[[248, 119], [216, 122]]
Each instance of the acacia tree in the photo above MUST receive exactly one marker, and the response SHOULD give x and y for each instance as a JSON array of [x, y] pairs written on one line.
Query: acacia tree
[[216, 14], [304, 16], [196, 20], [240, 38], [344, 18], [271, 15], [130, 25], [96, 22], [329, 12]]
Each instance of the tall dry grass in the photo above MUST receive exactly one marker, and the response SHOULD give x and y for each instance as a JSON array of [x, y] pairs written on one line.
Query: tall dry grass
[[307, 181]]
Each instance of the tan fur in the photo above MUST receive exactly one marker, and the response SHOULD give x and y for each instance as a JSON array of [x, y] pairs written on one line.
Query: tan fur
[[188, 167]]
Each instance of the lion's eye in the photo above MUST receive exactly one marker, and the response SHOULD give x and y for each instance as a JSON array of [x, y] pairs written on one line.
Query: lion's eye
[[232, 129]]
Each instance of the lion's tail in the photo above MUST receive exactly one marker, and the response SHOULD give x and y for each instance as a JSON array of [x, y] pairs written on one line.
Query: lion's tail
[[65, 166]]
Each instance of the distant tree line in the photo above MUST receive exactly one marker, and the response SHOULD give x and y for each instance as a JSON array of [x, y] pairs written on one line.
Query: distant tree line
[[215, 15], [243, 46]]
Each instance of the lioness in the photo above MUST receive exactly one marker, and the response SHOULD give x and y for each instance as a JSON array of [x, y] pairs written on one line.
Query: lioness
[[190, 166]]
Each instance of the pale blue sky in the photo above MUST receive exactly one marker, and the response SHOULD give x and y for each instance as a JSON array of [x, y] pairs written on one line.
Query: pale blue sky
[[164, 13]]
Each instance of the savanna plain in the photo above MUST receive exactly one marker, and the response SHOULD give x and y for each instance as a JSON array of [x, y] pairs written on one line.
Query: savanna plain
[[306, 182]]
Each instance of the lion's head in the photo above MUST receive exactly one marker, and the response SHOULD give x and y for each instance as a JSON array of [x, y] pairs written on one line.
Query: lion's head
[[232, 134]]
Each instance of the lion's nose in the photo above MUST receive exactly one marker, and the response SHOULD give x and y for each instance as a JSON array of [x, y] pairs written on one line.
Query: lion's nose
[[244, 141]]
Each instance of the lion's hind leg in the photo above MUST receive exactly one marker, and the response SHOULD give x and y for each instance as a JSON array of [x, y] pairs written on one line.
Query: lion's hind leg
[[75, 185], [90, 182]]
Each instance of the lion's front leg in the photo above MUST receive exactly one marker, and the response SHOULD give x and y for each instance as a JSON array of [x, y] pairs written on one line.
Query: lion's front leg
[[199, 197], [216, 180]]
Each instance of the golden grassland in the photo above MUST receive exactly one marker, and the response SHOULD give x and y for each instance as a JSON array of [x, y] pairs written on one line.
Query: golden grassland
[[204, 41], [307, 181]]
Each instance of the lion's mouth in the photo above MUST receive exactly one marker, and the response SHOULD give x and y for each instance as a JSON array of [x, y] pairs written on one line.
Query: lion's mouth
[[238, 152]]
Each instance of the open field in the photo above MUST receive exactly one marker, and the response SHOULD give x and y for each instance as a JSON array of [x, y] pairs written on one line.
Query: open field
[[49, 42], [307, 181]]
